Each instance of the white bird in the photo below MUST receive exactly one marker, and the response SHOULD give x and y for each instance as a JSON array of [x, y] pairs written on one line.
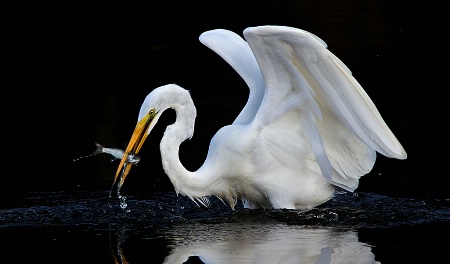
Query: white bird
[[307, 128]]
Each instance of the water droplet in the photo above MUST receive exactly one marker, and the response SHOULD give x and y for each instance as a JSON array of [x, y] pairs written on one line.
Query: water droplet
[[123, 203]]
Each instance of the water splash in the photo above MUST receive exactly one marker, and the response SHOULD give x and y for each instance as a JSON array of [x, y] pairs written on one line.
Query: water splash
[[122, 202]]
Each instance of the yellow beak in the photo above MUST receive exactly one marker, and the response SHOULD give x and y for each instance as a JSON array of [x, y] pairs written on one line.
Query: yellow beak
[[137, 139]]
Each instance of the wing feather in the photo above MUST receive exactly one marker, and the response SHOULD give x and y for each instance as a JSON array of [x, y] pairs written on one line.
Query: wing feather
[[236, 52], [337, 117]]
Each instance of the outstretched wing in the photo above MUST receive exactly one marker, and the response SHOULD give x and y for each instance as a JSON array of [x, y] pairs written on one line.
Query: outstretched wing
[[236, 52], [337, 118]]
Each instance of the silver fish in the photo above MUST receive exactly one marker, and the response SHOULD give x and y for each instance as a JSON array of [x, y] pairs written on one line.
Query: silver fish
[[115, 152]]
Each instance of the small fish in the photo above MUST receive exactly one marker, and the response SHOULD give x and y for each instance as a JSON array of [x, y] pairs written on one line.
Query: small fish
[[115, 152]]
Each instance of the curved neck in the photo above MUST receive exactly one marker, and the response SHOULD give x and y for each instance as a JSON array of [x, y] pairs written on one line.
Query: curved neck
[[169, 146], [175, 134]]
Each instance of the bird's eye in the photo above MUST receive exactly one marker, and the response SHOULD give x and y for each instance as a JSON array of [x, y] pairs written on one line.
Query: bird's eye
[[152, 111]]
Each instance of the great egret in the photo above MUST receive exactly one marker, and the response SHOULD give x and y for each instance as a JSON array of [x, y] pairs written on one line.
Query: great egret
[[308, 125]]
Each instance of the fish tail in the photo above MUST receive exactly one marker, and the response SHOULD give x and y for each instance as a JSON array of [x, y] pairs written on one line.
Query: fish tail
[[97, 151]]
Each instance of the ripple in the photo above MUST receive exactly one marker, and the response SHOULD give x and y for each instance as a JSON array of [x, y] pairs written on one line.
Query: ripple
[[97, 209]]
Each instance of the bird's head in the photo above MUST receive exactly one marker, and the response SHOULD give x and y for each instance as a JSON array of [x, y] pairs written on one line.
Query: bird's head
[[142, 129], [156, 102]]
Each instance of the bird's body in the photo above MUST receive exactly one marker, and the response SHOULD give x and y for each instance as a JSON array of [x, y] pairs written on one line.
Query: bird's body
[[307, 127]]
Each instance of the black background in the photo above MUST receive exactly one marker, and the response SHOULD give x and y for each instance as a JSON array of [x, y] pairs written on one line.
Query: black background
[[77, 73]]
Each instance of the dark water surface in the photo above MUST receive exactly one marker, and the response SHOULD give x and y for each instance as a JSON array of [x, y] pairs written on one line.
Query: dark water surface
[[90, 227]]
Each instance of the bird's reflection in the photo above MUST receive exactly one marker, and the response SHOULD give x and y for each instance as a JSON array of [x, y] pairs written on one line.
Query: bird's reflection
[[116, 240], [257, 243], [266, 243]]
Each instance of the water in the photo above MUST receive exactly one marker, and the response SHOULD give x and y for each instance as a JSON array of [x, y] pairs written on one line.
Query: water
[[91, 227]]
